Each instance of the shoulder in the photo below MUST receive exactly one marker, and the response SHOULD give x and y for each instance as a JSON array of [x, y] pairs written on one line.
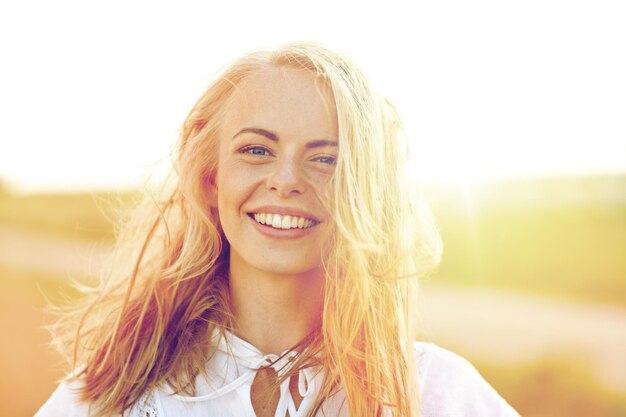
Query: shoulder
[[65, 401], [451, 386]]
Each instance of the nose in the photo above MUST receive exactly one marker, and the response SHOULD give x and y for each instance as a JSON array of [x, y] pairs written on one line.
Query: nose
[[286, 179]]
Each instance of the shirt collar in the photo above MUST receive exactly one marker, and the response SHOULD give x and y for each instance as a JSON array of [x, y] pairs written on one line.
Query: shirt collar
[[235, 363]]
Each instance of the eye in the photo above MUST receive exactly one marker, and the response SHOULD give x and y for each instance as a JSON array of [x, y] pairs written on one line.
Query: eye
[[326, 159], [255, 150]]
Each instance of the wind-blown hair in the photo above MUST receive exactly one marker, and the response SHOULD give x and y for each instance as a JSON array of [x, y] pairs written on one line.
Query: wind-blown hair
[[165, 291]]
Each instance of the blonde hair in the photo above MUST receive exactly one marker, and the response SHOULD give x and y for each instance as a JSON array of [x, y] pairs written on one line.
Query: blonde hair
[[150, 320]]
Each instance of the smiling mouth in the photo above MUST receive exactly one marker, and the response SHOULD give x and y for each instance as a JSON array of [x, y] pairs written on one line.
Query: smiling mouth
[[284, 222]]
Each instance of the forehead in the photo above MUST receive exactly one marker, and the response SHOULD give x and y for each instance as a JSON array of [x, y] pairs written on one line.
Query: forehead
[[289, 101]]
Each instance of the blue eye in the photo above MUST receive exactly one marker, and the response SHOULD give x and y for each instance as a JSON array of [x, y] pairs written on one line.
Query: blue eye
[[330, 160], [255, 150]]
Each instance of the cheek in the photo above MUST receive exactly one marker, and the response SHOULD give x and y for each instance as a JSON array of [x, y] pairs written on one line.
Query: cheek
[[235, 184], [325, 193]]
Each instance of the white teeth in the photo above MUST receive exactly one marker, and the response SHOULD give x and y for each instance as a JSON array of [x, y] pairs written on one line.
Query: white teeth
[[286, 224], [283, 222], [277, 221]]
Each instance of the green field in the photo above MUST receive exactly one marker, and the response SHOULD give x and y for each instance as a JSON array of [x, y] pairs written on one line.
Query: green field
[[562, 238], [84, 216], [554, 387]]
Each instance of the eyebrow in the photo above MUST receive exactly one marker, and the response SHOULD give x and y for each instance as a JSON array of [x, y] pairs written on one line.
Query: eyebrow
[[320, 143], [258, 131], [274, 137]]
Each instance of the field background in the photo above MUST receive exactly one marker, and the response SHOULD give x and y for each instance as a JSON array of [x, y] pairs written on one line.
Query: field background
[[531, 289]]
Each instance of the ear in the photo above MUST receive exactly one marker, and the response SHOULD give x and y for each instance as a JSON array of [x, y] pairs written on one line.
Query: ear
[[209, 183]]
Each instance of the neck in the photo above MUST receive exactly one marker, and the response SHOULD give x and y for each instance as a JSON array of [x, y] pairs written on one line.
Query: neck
[[275, 312]]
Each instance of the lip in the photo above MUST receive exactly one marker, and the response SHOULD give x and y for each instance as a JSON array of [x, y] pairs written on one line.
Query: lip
[[283, 211], [269, 231]]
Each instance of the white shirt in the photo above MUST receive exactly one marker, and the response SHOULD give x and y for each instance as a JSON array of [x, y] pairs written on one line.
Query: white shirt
[[449, 387]]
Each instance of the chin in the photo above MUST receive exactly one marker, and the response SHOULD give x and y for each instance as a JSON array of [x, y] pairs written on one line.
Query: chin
[[291, 269], [277, 262]]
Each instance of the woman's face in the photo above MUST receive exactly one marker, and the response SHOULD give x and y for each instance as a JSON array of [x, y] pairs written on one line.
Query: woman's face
[[277, 154]]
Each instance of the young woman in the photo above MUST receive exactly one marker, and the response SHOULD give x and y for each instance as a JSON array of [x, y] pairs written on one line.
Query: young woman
[[278, 275]]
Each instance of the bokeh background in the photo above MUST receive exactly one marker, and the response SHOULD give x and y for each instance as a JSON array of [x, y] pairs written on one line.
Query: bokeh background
[[515, 112]]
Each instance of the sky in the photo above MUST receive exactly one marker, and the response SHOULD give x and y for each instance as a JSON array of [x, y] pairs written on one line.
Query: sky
[[92, 94]]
